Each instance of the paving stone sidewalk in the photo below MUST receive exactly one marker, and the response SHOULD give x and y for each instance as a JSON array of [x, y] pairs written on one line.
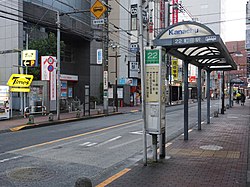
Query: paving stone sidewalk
[[216, 156]]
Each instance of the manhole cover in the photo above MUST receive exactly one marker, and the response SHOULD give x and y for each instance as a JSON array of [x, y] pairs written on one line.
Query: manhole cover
[[30, 174], [211, 147]]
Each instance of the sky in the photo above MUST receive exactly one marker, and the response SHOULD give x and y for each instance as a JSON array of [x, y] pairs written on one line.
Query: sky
[[234, 14]]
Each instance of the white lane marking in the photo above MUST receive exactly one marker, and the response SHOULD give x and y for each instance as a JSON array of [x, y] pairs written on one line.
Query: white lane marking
[[108, 141], [129, 142], [92, 144], [9, 159], [136, 132], [86, 143]]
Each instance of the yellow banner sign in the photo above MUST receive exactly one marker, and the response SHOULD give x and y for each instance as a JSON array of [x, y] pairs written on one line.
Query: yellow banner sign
[[13, 89], [175, 68], [20, 80]]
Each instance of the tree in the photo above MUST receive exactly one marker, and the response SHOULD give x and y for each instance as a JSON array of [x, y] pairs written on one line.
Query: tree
[[45, 47]]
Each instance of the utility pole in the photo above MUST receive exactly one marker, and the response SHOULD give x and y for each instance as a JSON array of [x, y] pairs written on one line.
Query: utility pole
[[105, 63], [58, 67], [143, 83]]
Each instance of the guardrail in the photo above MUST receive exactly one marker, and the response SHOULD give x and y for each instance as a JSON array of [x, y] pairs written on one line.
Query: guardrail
[[27, 110]]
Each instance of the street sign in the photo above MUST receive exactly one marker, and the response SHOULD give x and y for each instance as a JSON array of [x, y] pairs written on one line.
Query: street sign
[[30, 57], [13, 89], [98, 9], [20, 80], [98, 21], [29, 63]]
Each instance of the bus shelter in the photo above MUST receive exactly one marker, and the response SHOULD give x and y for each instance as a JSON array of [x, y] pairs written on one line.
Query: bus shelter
[[196, 44]]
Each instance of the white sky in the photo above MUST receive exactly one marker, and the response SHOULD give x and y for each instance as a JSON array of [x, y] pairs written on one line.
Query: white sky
[[234, 14]]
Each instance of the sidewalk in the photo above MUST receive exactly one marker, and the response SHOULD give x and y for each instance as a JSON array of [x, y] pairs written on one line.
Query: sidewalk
[[19, 123], [215, 156]]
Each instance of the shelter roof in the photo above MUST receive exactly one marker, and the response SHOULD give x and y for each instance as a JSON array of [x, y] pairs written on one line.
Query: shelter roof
[[197, 44]]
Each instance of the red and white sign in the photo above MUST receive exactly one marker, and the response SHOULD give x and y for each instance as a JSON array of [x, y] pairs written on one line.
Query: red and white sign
[[48, 72]]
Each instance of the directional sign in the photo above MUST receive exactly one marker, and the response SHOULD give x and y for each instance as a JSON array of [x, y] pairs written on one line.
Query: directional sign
[[98, 9], [29, 62], [20, 80], [30, 57]]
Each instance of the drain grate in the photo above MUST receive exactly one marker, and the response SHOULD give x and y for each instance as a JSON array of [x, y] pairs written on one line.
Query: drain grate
[[31, 174]]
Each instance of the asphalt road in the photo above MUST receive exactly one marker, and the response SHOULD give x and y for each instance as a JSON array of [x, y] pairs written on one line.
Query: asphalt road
[[97, 148]]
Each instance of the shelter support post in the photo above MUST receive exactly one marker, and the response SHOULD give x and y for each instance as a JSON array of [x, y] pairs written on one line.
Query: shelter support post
[[208, 97], [199, 98], [222, 93], [230, 92], [186, 96]]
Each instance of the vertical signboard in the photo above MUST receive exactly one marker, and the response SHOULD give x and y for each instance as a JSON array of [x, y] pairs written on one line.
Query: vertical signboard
[[99, 56], [48, 72], [155, 67], [175, 68]]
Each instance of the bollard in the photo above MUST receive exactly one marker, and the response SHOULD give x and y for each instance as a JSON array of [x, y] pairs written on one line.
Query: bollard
[[83, 182], [78, 113], [98, 111], [51, 117], [31, 119], [216, 114]]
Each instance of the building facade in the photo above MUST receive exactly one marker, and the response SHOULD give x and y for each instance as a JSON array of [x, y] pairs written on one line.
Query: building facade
[[28, 20]]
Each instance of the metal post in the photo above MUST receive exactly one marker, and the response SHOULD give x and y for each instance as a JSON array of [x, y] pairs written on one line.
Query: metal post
[[208, 97], [143, 83], [230, 91], [186, 96], [199, 98], [58, 67], [154, 144], [26, 69], [116, 96], [222, 93], [105, 64], [163, 144]]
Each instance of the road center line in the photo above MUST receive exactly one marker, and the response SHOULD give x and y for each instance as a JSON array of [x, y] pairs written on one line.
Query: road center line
[[75, 136]]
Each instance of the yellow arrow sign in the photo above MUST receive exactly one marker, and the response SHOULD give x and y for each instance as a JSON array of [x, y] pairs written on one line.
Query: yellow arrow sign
[[98, 9], [20, 80]]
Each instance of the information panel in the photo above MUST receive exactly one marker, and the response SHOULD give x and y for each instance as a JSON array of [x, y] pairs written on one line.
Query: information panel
[[155, 75]]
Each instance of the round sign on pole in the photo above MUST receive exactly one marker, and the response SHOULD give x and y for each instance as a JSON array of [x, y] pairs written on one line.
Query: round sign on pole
[[50, 68], [50, 60]]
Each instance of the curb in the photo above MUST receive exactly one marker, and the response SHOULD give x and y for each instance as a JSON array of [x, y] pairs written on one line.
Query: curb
[[55, 122]]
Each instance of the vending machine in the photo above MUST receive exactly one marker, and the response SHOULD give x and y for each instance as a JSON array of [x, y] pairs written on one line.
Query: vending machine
[[4, 102]]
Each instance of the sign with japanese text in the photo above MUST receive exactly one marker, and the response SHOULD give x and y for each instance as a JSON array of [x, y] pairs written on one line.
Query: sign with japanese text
[[48, 72], [30, 58]]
